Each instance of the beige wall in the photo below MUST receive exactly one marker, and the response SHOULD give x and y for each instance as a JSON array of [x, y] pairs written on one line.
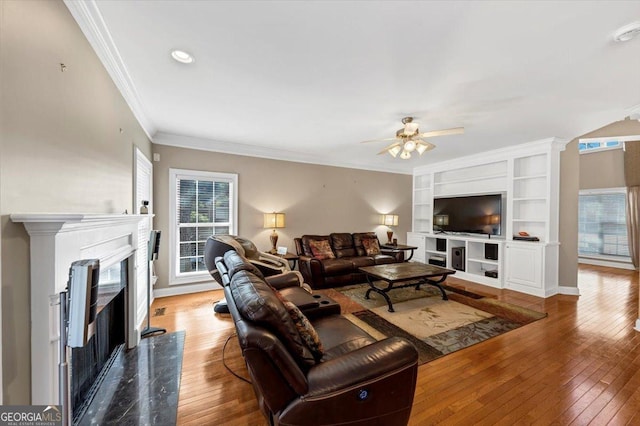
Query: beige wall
[[602, 169], [568, 232], [316, 199], [61, 150], [586, 171]]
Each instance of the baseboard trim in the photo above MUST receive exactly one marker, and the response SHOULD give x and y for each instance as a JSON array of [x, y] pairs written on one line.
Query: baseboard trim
[[637, 327], [571, 291], [178, 290], [608, 263]]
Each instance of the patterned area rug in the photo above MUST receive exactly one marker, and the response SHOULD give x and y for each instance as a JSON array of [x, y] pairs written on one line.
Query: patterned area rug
[[436, 327]]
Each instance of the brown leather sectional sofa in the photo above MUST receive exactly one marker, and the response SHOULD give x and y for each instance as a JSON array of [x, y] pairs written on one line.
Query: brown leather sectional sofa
[[349, 255], [352, 380]]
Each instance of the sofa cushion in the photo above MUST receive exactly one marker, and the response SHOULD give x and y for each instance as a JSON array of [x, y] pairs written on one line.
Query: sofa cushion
[[305, 240], [371, 246], [337, 266], [360, 261], [340, 336], [357, 241], [321, 249], [258, 302], [236, 263], [342, 244]]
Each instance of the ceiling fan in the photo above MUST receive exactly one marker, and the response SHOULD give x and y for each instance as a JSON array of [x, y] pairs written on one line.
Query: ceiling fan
[[409, 139]]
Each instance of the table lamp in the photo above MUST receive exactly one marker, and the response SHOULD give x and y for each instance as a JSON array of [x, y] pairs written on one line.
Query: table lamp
[[390, 220], [273, 220]]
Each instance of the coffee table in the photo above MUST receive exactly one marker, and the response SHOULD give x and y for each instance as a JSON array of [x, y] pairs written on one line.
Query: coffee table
[[398, 275]]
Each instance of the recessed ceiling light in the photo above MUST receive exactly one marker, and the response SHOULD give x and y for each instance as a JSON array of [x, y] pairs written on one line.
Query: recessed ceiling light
[[182, 56], [627, 32]]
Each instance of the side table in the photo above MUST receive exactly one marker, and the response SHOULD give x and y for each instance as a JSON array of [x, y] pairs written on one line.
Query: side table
[[397, 248]]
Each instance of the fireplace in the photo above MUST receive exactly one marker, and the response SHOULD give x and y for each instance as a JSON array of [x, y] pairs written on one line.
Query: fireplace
[[89, 363], [56, 240]]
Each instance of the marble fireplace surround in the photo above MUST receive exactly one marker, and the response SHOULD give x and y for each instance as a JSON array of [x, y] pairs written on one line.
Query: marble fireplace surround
[[56, 240]]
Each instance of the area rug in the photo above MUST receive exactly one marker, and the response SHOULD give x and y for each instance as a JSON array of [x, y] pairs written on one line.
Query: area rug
[[436, 327]]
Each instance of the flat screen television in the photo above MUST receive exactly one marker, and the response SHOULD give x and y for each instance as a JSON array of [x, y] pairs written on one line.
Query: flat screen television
[[477, 214]]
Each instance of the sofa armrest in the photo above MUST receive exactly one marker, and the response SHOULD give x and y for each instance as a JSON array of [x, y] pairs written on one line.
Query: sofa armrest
[[312, 270], [364, 365], [277, 261], [286, 279], [267, 268]]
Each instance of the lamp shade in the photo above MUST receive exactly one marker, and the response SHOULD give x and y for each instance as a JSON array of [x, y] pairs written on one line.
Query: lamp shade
[[390, 219], [273, 220]]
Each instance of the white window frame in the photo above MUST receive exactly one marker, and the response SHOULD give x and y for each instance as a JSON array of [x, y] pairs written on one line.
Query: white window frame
[[621, 139], [174, 174], [584, 258]]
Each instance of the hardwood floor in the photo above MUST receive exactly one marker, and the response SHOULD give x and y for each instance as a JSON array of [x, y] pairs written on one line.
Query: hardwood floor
[[578, 366]]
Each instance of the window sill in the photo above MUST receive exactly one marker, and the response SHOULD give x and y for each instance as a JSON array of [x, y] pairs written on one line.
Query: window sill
[[191, 279]]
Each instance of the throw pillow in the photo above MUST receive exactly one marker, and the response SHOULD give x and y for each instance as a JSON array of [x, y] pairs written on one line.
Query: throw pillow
[[321, 249], [307, 333], [371, 246]]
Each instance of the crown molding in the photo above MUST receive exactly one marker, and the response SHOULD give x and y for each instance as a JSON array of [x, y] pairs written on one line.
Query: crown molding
[[91, 23], [203, 144]]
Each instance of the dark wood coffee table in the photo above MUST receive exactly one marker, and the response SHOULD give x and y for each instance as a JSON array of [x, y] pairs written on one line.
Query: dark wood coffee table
[[395, 274]]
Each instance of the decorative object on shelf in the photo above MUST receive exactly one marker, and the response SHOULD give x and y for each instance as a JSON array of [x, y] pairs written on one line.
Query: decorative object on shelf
[[408, 139], [441, 219], [273, 220], [144, 208], [389, 220]]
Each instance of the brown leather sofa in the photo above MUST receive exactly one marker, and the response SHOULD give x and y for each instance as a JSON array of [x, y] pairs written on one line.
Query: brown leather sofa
[[349, 255], [275, 270], [354, 380]]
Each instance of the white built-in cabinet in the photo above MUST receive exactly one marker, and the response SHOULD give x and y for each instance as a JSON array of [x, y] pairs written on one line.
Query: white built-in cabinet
[[528, 177]]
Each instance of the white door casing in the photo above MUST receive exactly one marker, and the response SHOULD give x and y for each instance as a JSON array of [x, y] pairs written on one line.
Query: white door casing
[[142, 190]]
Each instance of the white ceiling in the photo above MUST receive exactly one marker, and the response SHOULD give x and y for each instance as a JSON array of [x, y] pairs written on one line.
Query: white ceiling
[[309, 80]]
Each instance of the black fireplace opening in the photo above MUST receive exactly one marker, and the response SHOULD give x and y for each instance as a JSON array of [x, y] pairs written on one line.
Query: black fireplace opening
[[90, 362]]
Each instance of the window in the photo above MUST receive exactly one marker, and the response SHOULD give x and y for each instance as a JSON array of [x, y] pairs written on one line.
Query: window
[[203, 204], [588, 145], [602, 227]]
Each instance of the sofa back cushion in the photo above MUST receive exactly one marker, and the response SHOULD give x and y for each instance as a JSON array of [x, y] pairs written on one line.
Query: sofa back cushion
[[342, 244], [235, 263], [306, 242], [357, 241], [371, 246], [257, 302]]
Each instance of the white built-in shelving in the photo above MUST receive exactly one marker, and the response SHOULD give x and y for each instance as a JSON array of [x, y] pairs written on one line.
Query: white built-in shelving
[[528, 177]]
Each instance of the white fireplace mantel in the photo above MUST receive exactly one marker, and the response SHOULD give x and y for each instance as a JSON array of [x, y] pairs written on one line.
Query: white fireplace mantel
[[57, 240]]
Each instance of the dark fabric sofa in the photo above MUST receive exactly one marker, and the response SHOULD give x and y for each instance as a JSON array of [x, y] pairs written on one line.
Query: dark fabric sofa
[[354, 380], [349, 255]]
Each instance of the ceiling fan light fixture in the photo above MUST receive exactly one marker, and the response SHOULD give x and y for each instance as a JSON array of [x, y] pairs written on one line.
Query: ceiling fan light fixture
[[405, 155], [395, 151], [410, 128], [421, 147], [410, 146]]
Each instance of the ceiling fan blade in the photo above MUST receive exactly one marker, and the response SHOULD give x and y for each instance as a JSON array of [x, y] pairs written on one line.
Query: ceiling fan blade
[[444, 132], [380, 140], [384, 151]]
